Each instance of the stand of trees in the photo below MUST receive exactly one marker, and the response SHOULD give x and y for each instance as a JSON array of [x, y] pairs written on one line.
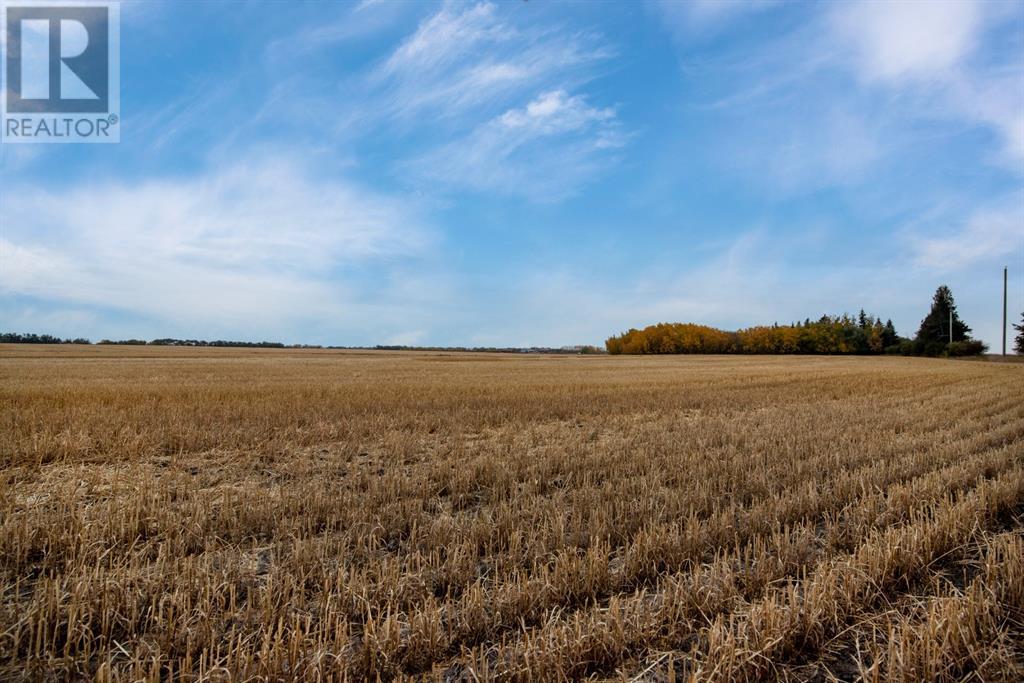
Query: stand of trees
[[15, 338], [829, 334], [863, 334]]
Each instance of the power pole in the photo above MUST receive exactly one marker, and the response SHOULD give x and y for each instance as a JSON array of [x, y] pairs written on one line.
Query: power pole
[[1004, 311]]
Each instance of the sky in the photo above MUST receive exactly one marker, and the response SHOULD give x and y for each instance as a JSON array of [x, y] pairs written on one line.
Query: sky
[[528, 173]]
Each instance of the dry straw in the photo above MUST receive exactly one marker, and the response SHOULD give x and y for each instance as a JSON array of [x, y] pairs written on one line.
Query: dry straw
[[211, 514]]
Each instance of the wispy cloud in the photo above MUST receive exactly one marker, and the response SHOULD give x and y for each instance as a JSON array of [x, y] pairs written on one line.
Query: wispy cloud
[[243, 247], [886, 74], [986, 234], [542, 151], [475, 60], [929, 48], [893, 41], [355, 22], [462, 68], [471, 67], [447, 37], [996, 101]]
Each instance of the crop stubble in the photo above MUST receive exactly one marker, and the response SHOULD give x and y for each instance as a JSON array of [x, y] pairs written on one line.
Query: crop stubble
[[225, 514]]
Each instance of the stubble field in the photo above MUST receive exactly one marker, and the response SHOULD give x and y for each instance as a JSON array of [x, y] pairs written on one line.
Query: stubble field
[[214, 514]]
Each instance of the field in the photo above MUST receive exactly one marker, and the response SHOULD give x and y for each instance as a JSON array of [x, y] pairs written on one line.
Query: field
[[215, 514]]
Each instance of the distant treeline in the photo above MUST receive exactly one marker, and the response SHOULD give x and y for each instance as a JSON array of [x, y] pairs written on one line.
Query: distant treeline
[[827, 335], [15, 338], [494, 349], [30, 338], [942, 333], [198, 342]]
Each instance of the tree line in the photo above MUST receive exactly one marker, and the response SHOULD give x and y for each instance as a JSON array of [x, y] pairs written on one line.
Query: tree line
[[15, 338], [551, 350], [942, 333], [844, 334], [32, 338], [200, 342], [827, 335]]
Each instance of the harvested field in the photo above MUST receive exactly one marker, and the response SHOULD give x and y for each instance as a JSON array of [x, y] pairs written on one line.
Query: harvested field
[[215, 514]]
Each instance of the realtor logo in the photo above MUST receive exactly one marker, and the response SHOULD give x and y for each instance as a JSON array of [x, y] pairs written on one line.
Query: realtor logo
[[61, 71]]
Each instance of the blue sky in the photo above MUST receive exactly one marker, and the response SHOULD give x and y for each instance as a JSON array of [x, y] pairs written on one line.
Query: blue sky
[[528, 173]]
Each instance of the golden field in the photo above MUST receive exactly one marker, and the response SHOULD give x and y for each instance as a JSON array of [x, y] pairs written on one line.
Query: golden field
[[227, 514]]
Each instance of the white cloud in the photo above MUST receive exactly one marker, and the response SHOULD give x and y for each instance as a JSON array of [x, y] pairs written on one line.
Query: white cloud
[[889, 71], [542, 151], [552, 113], [995, 100], [246, 247], [447, 37], [908, 38], [463, 66], [929, 48], [988, 233], [472, 59]]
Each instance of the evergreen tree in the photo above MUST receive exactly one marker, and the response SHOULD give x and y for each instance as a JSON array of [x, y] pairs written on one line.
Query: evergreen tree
[[1018, 342], [934, 328], [889, 336]]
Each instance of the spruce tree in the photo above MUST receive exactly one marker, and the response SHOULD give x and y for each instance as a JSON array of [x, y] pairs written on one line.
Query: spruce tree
[[889, 336], [935, 327], [1018, 342]]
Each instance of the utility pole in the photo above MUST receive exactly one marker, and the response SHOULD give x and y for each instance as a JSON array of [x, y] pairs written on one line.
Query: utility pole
[[1004, 311]]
